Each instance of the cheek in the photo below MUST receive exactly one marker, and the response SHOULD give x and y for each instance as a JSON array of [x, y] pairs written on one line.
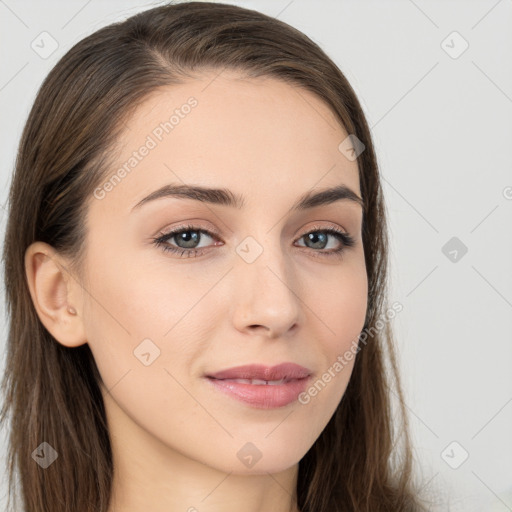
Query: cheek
[[339, 309], [135, 307], [144, 334], [132, 295], [340, 303]]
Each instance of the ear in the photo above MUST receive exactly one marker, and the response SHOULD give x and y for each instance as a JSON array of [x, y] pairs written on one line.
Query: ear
[[53, 290]]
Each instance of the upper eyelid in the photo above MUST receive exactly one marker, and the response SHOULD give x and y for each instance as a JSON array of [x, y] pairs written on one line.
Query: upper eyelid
[[191, 227], [180, 229], [214, 234]]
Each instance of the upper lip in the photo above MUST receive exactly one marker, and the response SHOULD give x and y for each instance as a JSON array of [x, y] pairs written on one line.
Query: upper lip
[[287, 371]]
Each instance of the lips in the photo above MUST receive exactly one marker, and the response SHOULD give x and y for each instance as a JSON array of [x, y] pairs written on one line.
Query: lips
[[260, 374], [262, 387]]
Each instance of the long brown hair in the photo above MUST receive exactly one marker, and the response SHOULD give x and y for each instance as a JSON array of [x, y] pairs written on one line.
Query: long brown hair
[[52, 392]]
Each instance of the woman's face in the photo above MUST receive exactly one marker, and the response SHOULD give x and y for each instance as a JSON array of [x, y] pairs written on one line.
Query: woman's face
[[263, 287]]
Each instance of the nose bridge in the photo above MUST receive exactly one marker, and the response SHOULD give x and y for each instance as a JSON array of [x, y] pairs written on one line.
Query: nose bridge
[[266, 287]]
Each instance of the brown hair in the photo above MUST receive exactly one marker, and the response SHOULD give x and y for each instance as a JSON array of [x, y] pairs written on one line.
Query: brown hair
[[52, 391]]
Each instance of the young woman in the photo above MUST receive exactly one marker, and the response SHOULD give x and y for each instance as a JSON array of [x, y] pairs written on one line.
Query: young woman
[[195, 271]]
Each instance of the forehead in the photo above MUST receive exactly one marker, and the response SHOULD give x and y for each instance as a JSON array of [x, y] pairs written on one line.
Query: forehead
[[252, 135]]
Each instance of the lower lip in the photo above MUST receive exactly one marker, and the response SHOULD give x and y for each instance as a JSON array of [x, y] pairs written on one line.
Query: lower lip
[[262, 396]]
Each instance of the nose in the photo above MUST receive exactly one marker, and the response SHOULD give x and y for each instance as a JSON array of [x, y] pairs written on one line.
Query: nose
[[266, 299]]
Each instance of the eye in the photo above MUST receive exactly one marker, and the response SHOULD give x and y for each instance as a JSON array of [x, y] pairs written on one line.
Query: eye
[[318, 238], [188, 237]]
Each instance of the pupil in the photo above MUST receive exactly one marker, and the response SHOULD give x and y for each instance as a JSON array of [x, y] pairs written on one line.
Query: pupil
[[189, 240], [313, 236]]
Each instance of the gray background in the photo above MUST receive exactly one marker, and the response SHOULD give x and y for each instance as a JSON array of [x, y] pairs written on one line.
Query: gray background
[[442, 127]]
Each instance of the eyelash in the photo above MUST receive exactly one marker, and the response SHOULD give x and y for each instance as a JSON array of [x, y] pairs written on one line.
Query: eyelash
[[161, 241]]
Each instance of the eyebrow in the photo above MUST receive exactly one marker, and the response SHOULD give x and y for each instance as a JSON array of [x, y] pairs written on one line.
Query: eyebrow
[[225, 197]]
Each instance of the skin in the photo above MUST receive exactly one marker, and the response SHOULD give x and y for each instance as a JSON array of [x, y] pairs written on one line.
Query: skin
[[174, 438]]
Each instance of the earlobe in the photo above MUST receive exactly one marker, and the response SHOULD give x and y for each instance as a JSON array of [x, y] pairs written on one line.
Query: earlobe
[[54, 292]]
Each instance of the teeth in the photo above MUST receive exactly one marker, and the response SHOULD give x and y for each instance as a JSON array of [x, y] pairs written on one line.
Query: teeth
[[259, 381]]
